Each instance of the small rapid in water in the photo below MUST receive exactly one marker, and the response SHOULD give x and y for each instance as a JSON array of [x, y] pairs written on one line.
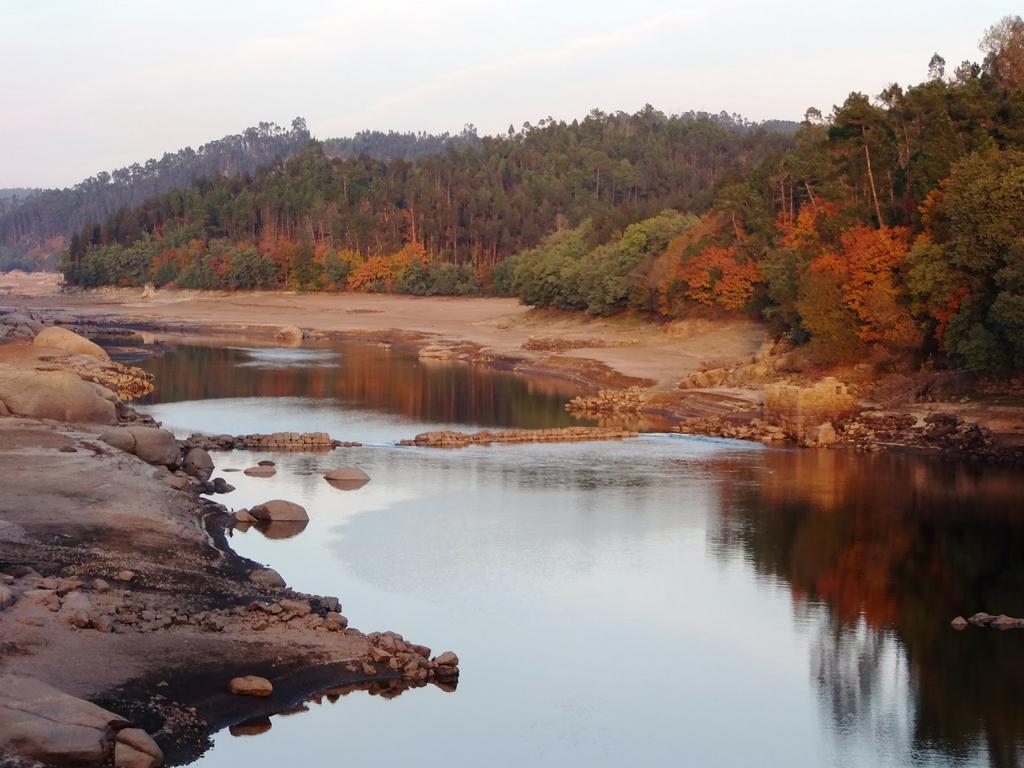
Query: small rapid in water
[[659, 601]]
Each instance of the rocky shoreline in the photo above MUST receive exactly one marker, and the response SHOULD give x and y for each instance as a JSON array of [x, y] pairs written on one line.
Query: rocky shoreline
[[124, 614]]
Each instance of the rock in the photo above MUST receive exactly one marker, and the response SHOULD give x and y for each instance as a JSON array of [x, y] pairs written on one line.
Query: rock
[[336, 621], [298, 608], [347, 478], [379, 654], [75, 610], [290, 333], [124, 575], [981, 619], [820, 436], [1006, 622], [104, 623], [259, 471], [265, 463], [64, 340], [7, 598], [369, 669], [135, 748], [251, 685], [176, 481], [155, 446], [267, 577], [278, 509], [220, 485], [39, 722], [100, 585], [197, 463], [119, 438], [447, 659], [959, 623], [251, 727], [59, 395], [243, 516]]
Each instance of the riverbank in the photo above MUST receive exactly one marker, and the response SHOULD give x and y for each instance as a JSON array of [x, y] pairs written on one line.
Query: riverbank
[[118, 587], [708, 377]]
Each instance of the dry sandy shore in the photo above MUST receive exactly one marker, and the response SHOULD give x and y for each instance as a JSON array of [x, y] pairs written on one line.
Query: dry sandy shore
[[635, 349]]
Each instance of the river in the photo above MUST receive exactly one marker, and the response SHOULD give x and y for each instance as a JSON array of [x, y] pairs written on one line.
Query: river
[[660, 601]]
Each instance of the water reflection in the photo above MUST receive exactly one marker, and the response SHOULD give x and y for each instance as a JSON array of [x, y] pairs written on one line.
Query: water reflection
[[363, 375], [894, 548], [638, 600]]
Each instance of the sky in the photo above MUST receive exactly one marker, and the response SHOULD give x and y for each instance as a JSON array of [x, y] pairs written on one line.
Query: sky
[[91, 85]]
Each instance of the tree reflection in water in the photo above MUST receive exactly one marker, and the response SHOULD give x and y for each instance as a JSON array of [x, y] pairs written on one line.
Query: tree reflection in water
[[880, 552]]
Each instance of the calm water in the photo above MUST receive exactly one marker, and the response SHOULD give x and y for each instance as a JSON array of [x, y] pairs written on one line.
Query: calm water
[[661, 601]]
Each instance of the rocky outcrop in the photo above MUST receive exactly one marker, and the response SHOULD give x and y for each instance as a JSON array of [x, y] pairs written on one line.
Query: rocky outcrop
[[795, 408], [944, 433], [610, 401], [450, 439], [39, 722], [63, 340], [56, 394], [277, 441], [16, 324]]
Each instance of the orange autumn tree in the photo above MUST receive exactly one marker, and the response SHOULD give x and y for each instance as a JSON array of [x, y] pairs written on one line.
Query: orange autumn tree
[[719, 276], [861, 275]]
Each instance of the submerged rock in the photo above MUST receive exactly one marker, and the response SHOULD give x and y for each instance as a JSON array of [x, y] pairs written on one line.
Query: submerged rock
[[347, 478], [260, 471]]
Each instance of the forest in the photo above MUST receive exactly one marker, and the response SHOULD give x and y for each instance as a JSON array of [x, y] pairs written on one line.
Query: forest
[[892, 226]]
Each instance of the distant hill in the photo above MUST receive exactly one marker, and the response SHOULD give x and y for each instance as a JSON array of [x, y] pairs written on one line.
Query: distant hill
[[35, 222]]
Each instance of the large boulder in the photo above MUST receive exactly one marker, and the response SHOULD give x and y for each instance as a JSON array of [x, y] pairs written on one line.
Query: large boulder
[[64, 340], [279, 510], [151, 444], [198, 463], [39, 722], [58, 395]]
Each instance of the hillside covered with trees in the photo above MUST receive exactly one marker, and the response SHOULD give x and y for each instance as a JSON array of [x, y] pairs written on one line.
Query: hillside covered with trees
[[892, 226], [32, 220]]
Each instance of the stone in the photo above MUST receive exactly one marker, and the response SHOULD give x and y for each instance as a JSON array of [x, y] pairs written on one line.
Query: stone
[[251, 685], [369, 669], [104, 623], [124, 575], [298, 608], [251, 727], [197, 463], [266, 577], [7, 598], [75, 610], [347, 478], [1003, 622], [959, 623], [265, 463], [58, 395], [260, 471], [243, 516], [290, 333], [156, 446], [379, 654], [134, 748], [447, 659], [176, 482], [64, 340], [981, 619], [39, 722], [820, 436], [278, 509], [336, 621], [100, 585], [220, 485]]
